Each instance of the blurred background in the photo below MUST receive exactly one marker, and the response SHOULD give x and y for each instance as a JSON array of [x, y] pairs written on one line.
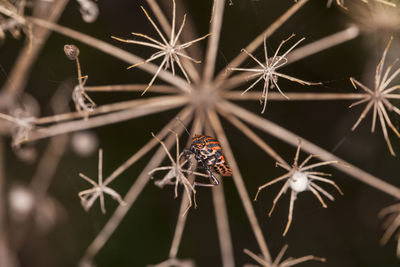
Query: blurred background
[[347, 233]]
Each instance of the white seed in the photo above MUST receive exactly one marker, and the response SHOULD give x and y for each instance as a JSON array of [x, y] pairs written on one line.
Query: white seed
[[299, 182]]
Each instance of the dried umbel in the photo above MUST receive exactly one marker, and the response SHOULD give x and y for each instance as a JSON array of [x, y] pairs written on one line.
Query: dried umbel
[[177, 175], [300, 178], [379, 98], [268, 71], [171, 50], [89, 196]]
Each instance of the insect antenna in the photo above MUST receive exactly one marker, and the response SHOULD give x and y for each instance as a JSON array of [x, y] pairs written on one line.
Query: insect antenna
[[181, 122]]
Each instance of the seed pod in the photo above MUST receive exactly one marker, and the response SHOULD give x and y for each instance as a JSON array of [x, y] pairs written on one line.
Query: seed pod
[[71, 51]]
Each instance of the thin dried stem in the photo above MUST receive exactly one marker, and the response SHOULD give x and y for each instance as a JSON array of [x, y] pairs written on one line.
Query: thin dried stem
[[106, 119], [324, 43], [276, 96], [290, 138], [132, 88], [212, 47], [221, 216], [109, 108], [18, 77], [7, 257], [48, 165], [216, 124], [134, 191], [252, 46], [180, 225], [112, 50], [252, 136]]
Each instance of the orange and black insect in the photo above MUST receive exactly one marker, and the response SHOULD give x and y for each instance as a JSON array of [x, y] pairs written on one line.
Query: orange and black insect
[[208, 152]]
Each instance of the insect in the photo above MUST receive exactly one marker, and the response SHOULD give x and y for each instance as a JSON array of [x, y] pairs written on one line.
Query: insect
[[208, 152]]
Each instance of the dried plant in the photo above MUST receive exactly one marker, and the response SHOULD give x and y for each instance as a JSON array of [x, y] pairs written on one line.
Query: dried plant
[[341, 3], [89, 196], [278, 260], [176, 173], [268, 72], [378, 99], [171, 51], [175, 263], [299, 179], [391, 225], [12, 19], [199, 95], [83, 103]]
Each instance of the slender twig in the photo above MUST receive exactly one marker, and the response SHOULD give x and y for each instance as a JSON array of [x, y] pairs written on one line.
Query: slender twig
[[238, 179], [221, 217], [276, 96], [290, 138], [7, 257], [18, 77], [132, 88], [253, 45], [298, 54], [180, 225], [212, 46], [108, 108], [102, 120], [137, 186], [113, 51], [324, 43], [252, 136]]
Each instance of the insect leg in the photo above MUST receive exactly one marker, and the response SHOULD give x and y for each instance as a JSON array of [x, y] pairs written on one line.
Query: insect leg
[[187, 153]]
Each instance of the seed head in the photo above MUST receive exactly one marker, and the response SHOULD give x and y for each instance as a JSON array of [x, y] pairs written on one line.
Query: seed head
[[71, 51]]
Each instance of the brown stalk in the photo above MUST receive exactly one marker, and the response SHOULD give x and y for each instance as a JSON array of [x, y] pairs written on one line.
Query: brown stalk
[[7, 257], [222, 220], [251, 47], [180, 225], [212, 46], [132, 88], [136, 187], [238, 179], [102, 120], [111, 50], [221, 216], [252, 136], [19, 75], [324, 43], [109, 108], [290, 138], [276, 96]]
